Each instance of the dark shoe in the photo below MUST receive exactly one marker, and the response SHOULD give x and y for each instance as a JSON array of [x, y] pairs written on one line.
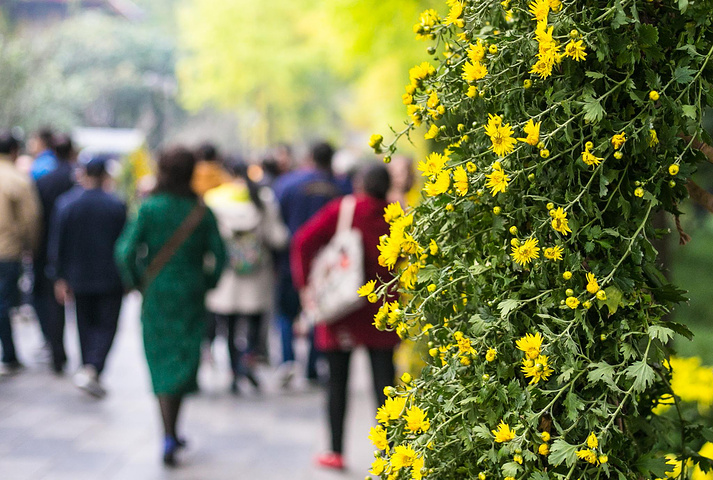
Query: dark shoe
[[234, 387], [330, 460], [10, 369], [250, 375], [170, 447]]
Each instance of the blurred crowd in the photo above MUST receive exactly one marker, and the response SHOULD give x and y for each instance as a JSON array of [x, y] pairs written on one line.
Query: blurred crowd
[[216, 246]]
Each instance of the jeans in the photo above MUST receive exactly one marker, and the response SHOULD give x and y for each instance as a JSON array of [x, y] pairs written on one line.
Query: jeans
[[9, 275], [97, 319]]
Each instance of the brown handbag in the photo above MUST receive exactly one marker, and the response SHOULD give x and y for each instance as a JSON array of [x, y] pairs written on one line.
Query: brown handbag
[[187, 227]]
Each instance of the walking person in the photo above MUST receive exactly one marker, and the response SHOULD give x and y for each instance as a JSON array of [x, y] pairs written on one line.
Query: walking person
[[85, 225], [41, 147], [301, 193], [250, 224], [337, 340], [50, 313], [164, 251], [19, 233]]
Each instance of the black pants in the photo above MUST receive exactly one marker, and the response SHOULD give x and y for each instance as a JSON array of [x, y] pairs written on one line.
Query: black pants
[[97, 318], [382, 371], [52, 320], [237, 347]]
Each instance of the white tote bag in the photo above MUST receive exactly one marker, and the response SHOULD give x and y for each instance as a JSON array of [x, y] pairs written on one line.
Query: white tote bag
[[337, 271]]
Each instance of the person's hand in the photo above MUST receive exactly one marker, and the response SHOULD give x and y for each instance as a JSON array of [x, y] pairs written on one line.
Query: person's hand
[[62, 292]]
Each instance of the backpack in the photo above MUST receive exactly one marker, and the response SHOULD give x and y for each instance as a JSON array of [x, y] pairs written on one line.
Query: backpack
[[246, 253]]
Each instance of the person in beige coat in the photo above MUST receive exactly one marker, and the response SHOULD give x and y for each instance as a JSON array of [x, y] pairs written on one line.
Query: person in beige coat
[[250, 224], [19, 233]]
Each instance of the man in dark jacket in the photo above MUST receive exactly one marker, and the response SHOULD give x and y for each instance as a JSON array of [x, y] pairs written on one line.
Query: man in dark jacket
[[85, 225], [50, 313]]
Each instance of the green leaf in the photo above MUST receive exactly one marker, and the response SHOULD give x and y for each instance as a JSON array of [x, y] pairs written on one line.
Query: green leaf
[[648, 35], [653, 467], [573, 404], [601, 371], [539, 475], [683, 5], [511, 469], [683, 74], [642, 374], [593, 110], [690, 111], [591, 74], [562, 452], [507, 306], [662, 333], [613, 301]]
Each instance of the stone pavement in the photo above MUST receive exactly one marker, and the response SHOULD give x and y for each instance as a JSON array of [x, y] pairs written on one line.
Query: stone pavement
[[49, 430]]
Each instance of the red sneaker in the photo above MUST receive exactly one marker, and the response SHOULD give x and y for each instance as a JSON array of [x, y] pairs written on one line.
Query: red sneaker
[[330, 460]]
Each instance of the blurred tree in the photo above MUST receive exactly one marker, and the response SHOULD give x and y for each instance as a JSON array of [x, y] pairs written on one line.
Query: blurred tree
[[303, 68]]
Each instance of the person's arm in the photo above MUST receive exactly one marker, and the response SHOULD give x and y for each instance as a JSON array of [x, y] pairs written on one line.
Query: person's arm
[[30, 216], [56, 253], [310, 239], [217, 248], [126, 250]]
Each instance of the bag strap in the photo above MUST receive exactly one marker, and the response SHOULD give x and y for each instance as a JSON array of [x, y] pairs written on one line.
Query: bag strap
[[184, 230], [346, 213]]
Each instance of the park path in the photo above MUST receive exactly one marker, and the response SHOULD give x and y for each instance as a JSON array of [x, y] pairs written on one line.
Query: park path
[[51, 431]]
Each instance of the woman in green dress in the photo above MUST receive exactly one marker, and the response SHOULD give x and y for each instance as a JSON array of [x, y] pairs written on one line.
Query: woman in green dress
[[173, 310]]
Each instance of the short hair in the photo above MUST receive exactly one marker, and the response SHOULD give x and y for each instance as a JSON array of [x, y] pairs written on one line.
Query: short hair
[[322, 153], [63, 147], [376, 180], [9, 143], [175, 171], [207, 151]]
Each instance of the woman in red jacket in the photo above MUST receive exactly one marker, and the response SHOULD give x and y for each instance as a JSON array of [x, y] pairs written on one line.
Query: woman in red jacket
[[338, 339]]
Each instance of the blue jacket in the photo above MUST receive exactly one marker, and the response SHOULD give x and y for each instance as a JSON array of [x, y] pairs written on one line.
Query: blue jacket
[[84, 228], [45, 163]]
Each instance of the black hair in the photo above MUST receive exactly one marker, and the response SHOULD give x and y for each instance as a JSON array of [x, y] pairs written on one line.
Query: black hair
[[207, 151], [46, 135], [376, 180], [322, 153], [9, 143], [63, 147], [238, 168], [175, 171]]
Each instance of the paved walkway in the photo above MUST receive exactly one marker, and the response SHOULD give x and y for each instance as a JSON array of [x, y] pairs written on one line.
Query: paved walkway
[[51, 431]]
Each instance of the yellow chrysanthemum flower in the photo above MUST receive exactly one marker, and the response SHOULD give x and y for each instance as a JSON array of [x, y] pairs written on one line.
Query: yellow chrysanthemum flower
[[589, 158], [389, 251], [540, 9], [653, 138], [410, 275], [491, 354], [543, 449], [420, 72], [432, 132], [433, 100], [367, 288], [474, 71], [455, 13], [526, 251], [391, 409], [532, 130], [501, 136], [416, 420], [537, 369], [587, 455], [554, 253], [476, 51], [575, 50], [530, 344], [618, 140], [377, 435], [460, 181], [403, 456], [498, 180], [439, 185], [432, 247], [572, 302], [433, 164], [379, 466], [559, 221], [503, 433], [592, 441], [393, 211], [592, 285]]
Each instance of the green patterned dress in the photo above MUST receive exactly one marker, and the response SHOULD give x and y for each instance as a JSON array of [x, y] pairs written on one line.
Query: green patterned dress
[[173, 311]]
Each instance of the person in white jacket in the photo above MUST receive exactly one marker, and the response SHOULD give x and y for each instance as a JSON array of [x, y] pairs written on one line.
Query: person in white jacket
[[250, 224]]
